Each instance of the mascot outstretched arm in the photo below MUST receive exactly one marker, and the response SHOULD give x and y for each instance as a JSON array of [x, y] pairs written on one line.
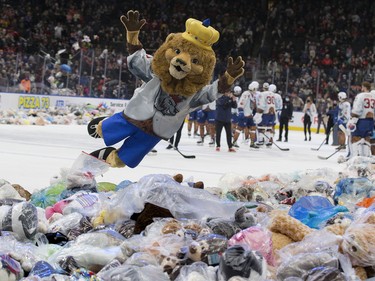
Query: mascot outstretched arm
[[177, 80]]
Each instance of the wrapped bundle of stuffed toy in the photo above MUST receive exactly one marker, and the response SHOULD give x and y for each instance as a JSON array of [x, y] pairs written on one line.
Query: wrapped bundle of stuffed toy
[[21, 218], [238, 261]]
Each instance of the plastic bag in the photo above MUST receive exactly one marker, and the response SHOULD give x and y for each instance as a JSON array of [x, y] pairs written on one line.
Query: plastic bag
[[301, 264], [42, 269], [255, 238], [324, 273], [165, 192], [349, 191], [8, 191], [87, 204], [66, 223], [238, 261], [314, 210], [48, 196], [318, 241], [21, 218], [84, 170], [135, 273], [359, 243], [10, 269], [197, 271], [208, 249], [86, 256], [100, 238]]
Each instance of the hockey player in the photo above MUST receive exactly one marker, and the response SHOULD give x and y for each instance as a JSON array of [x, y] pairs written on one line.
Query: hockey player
[[278, 103], [344, 109], [206, 118], [266, 115], [246, 107], [192, 123], [361, 123], [237, 91]]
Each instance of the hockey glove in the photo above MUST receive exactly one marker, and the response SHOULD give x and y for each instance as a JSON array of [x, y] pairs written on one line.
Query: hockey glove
[[352, 124], [257, 118], [341, 121]]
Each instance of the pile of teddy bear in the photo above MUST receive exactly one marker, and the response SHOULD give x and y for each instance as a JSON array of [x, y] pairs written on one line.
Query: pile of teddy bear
[[163, 227], [70, 114]]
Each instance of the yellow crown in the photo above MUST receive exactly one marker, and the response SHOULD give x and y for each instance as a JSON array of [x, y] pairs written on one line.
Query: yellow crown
[[201, 34]]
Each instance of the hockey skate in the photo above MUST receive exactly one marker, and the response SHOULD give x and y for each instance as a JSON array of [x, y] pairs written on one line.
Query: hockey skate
[[211, 143], [341, 146], [253, 146], [200, 142], [93, 124]]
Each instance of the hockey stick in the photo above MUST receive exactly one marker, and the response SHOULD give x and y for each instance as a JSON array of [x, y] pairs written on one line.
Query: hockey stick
[[183, 155], [281, 148], [329, 156], [342, 128], [316, 149]]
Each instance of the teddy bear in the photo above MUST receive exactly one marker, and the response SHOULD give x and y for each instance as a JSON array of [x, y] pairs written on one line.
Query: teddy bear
[[285, 229], [176, 81], [359, 244]]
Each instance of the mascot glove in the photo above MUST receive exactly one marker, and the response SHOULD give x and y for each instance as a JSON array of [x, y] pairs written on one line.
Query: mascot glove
[[133, 25], [257, 118], [234, 69], [132, 22]]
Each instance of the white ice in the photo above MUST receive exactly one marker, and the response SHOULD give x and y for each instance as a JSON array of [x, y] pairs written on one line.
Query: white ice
[[32, 155]]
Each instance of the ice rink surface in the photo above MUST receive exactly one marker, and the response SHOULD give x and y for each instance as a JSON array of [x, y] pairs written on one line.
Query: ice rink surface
[[32, 155]]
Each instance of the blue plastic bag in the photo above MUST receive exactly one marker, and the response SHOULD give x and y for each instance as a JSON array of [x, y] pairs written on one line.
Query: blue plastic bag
[[313, 211]]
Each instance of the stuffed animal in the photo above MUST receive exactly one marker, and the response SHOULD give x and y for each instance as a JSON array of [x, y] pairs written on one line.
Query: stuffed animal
[[176, 82], [243, 218], [21, 218], [359, 244], [10, 269], [241, 262], [289, 226], [207, 249], [286, 230]]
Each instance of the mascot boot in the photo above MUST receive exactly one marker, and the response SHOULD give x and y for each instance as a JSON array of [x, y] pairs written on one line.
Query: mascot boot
[[107, 154]]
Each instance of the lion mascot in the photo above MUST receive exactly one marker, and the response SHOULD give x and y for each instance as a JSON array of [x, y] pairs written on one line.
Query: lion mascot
[[176, 80]]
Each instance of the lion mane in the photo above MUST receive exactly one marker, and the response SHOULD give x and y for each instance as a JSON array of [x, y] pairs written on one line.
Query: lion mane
[[192, 83]]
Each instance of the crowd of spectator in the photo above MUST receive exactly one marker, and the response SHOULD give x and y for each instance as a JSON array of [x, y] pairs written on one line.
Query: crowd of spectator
[[307, 48]]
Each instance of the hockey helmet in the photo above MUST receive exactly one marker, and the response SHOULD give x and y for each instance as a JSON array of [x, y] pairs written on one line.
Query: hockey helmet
[[237, 90], [254, 86], [272, 88], [341, 96]]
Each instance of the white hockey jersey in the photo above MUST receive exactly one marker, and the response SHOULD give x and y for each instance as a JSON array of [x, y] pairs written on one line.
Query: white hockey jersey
[[344, 111], [247, 103], [266, 102], [364, 105], [278, 102]]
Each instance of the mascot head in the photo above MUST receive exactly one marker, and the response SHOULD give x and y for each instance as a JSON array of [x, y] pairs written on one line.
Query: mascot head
[[185, 61]]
